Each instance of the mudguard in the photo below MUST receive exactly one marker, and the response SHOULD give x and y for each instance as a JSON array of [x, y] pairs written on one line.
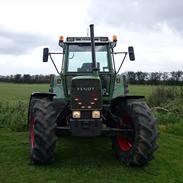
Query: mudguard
[[124, 98], [42, 94], [39, 95]]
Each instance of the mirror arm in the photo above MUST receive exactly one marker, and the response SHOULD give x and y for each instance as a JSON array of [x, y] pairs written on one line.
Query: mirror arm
[[115, 53], [122, 62], [54, 62], [56, 53]]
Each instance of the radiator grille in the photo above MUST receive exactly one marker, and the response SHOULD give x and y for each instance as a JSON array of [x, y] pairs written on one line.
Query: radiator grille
[[86, 94]]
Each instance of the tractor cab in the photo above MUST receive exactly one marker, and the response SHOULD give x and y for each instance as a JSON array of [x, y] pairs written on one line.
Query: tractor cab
[[88, 57], [78, 61]]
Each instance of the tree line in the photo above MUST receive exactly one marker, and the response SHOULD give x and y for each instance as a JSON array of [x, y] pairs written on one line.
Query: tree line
[[151, 78], [155, 78], [26, 78]]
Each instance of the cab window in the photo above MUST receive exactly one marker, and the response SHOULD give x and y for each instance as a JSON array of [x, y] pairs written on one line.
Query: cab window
[[80, 59]]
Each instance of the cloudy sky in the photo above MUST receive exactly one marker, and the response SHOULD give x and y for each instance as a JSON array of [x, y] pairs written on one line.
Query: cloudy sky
[[153, 27]]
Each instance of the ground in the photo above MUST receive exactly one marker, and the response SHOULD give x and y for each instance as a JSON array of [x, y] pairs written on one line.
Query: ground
[[82, 160]]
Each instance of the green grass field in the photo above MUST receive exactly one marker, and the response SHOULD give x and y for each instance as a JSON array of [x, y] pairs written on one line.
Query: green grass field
[[81, 160], [13, 92], [87, 160]]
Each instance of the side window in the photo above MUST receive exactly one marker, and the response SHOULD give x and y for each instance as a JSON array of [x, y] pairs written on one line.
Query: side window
[[101, 58], [105, 80]]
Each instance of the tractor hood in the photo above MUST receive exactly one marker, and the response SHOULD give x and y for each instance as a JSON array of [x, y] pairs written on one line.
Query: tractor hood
[[86, 93]]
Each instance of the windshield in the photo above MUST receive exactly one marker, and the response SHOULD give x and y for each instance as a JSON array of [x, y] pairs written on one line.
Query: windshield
[[80, 59]]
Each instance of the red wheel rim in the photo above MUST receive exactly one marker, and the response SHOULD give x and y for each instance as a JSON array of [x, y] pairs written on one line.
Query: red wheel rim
[[32, 131], [124, 143]]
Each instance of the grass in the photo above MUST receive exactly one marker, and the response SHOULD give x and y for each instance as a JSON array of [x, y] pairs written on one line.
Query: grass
[[147, 90], [87, 160], [144, 90], [81, 160], [14, 99], [13, 92]]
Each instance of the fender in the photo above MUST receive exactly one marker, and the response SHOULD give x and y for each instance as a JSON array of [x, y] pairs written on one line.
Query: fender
[[39, 95], [119, 99], [43, 94]]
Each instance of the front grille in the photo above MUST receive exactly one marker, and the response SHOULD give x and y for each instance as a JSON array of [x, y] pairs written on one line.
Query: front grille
[[86, 114], [86, 94]]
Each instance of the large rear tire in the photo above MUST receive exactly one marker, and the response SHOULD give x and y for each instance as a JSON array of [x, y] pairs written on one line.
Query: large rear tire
[[42, 136], [136, 148]]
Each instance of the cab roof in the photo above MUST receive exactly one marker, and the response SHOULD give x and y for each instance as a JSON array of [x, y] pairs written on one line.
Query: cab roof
[[86, 40]]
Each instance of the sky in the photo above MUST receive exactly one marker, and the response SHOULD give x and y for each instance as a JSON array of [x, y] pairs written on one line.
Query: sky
[[154, 28]]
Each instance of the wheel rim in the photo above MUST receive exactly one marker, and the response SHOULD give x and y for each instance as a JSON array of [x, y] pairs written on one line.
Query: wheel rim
[[32, 140], [125, 143]]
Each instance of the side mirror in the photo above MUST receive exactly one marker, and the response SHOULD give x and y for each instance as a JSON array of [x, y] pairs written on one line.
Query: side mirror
[[131, 53], [45, 54]]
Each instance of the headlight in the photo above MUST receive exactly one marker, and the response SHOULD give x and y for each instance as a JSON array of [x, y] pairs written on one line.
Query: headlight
[[95, 114], [76, 114]]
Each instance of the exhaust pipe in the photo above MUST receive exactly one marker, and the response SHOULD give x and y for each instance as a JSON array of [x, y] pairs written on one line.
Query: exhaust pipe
[[92, 37]]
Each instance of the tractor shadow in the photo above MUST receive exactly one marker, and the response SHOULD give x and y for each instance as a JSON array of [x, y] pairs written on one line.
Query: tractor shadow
[[84, 152]]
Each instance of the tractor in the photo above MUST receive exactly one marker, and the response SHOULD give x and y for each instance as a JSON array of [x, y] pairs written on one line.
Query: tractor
[[89, 98]]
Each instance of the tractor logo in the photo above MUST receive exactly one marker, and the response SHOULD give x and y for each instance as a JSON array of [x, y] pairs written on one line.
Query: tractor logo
[[85, 89]]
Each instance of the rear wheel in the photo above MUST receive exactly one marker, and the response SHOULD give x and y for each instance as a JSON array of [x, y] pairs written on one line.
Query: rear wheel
[[42, 124], [137, 147]]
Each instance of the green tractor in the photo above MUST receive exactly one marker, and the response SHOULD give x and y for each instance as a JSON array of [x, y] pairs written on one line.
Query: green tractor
[[89, 98]]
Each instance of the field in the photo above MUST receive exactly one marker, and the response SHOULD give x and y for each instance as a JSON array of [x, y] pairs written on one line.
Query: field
[[14, 92], [82, 160]]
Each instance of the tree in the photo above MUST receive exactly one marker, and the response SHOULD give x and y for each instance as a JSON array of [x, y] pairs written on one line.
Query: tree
[[17, 78], [141, 77], [131, 77]]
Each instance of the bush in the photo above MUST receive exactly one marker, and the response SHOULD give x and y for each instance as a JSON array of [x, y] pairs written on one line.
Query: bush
[[170, 123], [176, 128], [162, 95], [13, 116], [167, 104], [167, 118]]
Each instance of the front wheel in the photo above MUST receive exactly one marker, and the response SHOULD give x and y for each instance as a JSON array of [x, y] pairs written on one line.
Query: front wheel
[[136, 148], [42, 136]]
